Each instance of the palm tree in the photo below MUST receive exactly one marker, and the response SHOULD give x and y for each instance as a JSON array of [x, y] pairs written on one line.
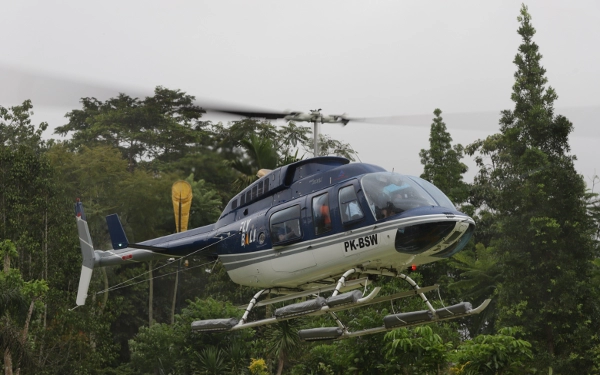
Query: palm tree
[[283, 341], [211, 361], [479, 278], [259, 153]]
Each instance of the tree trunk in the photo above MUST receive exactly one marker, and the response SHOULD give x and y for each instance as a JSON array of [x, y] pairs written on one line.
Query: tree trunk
[[27, 321], [175, 293], [550, 341], [105, 296], [150, 294], [280, 363], [8, 363], [46, 242], [6, 262]]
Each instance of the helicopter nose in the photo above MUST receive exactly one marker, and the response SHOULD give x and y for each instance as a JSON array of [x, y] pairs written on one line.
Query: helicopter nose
[[445, 238]]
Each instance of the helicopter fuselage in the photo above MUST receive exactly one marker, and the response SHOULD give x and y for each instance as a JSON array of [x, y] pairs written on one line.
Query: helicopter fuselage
[[308, 222]]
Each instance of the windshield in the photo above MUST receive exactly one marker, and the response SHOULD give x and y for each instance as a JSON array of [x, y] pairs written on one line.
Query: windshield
[[390, 194], [436, 193]]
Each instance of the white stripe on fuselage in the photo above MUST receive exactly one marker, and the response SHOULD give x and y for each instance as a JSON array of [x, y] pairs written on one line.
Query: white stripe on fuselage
[[307, 261]]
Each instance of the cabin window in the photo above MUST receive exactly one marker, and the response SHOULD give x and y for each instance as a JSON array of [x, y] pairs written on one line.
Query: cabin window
[[285, 225], [321, 214], [349, 207]]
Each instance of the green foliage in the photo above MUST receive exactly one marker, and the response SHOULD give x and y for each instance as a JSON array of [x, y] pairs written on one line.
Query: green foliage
[[542, 232], [441, 163], [536, 252], [259, 153], [212, 361], [416, 351], [157, 346], [502, 353], [329, 146], [206, 205], [480, 276], [164, 126], [16, 128], [283, 341], [15, 318], [174, 349]]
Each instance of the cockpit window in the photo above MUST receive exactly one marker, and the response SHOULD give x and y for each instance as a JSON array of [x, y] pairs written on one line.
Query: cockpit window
[[390, 194], [436, 193]]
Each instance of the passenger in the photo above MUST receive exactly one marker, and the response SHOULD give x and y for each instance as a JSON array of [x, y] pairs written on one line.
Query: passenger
[[325, 215]]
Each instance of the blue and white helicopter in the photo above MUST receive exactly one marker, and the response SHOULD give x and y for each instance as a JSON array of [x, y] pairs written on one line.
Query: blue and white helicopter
[[315, 230]]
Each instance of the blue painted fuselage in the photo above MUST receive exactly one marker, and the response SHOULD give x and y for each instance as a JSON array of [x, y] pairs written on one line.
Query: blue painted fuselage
[[316, 218]]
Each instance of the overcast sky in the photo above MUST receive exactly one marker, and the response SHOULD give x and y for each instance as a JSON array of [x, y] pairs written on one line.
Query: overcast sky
[[363, 58]]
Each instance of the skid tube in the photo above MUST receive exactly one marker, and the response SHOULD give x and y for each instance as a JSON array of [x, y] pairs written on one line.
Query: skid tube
[[338, 302]]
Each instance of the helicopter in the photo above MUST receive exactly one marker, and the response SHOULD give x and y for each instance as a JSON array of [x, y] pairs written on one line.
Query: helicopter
[[318, 226]]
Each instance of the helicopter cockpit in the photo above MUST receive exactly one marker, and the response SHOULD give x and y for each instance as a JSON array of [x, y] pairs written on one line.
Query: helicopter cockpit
[[391, 193]]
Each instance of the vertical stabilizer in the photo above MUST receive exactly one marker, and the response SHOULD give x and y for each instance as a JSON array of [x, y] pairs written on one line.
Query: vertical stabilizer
[[117, 234], [87, 251]]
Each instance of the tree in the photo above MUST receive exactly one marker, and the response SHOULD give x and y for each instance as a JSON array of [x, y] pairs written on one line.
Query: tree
[[543, 234], [496, 354], [441, 163], [417, 350], [14, 322], [259, 154], [16, 128], [283, 341], [329, 146], [162, 127], [479, 278]]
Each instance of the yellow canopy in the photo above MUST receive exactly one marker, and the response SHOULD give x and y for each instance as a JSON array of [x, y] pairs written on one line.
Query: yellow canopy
[[181, 193]]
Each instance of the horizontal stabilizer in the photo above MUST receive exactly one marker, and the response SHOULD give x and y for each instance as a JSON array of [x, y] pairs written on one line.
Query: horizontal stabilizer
[[156, 249], [117, 234]]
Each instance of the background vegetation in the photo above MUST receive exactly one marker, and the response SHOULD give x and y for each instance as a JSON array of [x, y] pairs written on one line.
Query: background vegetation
[[535, 251]]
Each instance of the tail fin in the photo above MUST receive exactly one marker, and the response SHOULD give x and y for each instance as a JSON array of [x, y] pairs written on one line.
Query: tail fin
[[87, 251], [117, 234]]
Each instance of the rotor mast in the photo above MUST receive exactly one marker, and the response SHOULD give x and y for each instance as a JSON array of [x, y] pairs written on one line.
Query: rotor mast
[[316, 117]]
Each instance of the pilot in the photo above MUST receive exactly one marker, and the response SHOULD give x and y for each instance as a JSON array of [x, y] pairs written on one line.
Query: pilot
[[387, 211], [281, 236], [286, 233], [353, 211]]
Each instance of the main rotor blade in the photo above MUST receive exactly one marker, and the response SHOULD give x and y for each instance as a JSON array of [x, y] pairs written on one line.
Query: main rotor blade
[[48, 90], [488, 121], [264, 114]]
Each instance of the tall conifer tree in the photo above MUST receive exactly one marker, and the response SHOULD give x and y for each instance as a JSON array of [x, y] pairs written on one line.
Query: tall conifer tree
[[543, 235], [441, 163]]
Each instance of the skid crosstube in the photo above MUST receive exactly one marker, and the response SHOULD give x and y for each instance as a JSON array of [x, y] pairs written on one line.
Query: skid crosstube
[[339, 302]]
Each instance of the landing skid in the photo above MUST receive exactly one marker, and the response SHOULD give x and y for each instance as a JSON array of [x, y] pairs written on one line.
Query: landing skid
[[339, 302]]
